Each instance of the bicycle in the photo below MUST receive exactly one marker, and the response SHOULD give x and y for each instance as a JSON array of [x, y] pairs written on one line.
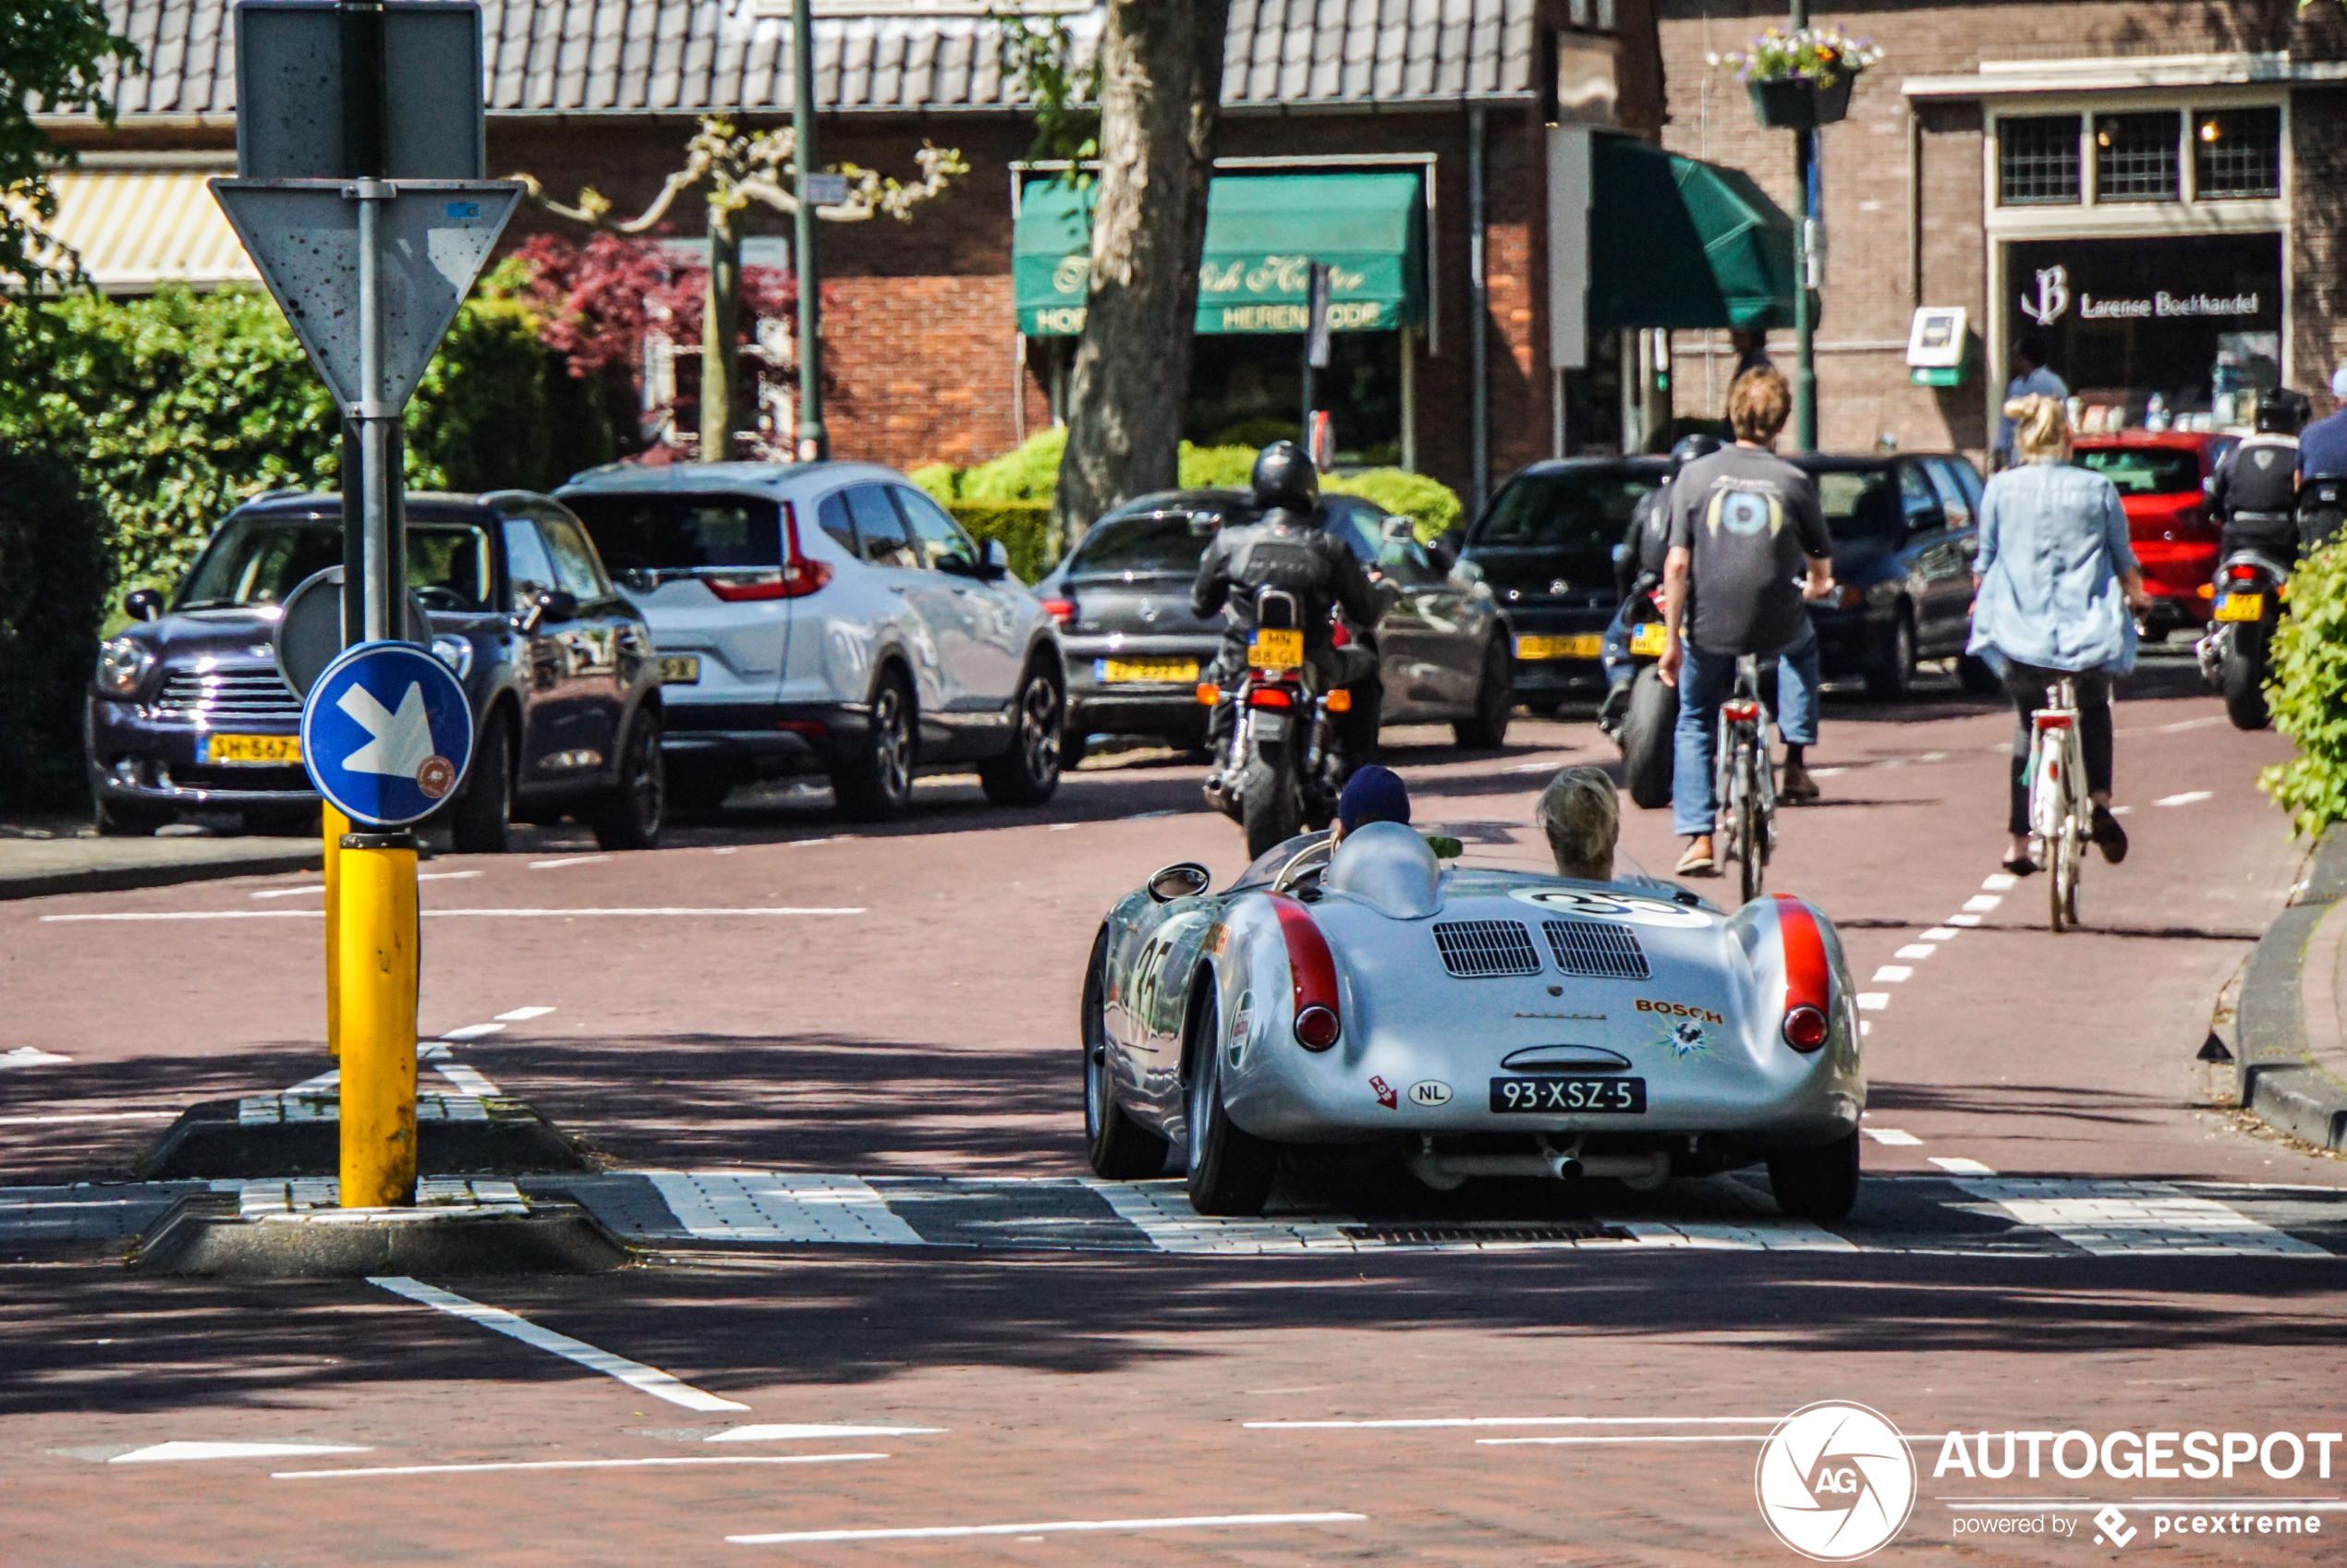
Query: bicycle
[[1746, 789], [2060, 814]]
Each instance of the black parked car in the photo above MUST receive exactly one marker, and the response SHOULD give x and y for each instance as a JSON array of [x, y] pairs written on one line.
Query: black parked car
[[188, 713], [1544, 548], [1904, 527], [1136, 654]]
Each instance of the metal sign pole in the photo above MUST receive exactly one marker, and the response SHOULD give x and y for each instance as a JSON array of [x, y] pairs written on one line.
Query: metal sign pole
[[814, 441]]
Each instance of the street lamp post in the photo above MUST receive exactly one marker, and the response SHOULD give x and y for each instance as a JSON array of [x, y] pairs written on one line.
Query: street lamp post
[[1804, 325], [814, 441]]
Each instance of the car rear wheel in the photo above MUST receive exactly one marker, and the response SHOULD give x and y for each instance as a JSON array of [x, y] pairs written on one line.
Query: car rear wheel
[[1817, 1183], [1028, 774], [1120, 1148], [630, 816], [875, 784], [1647, 732], [1494, 698], [1230, 1169], [482, 814], [1890, 676]]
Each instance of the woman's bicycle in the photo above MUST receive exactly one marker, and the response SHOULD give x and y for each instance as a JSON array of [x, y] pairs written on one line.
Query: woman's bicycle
[[2060, 814], [1745, 788]]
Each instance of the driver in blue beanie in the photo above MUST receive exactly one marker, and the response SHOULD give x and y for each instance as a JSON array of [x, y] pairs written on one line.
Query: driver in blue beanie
[[1372, 795]]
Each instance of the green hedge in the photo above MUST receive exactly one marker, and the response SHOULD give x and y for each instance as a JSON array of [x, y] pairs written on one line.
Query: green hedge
[[2308, 695], [1024, 527], [53, 588]]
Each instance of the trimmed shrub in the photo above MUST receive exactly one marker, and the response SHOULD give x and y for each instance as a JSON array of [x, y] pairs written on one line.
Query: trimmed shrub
[[1024, 527], [1435, 506], [53, 583], [2307, 695]]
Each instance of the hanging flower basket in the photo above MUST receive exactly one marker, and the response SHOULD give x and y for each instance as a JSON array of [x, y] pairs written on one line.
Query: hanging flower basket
[[1798, 104], [1800, 80]]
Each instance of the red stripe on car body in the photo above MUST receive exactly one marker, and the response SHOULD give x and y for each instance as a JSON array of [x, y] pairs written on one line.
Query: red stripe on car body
[[1808, 980], [1310, 963]]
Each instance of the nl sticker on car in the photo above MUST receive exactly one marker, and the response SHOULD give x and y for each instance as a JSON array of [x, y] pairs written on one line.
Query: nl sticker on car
[[265, 750], [1582, 645]]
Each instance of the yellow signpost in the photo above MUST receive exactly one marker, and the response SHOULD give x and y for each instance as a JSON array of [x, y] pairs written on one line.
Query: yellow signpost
[[378, 977], [334, 825]]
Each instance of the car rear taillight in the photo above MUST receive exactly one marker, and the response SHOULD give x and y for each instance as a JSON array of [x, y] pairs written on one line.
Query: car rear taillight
[[1808, 979], [1804, 1028], [1061, 611], [1740, 712], [1268, 697], [796, 579], [1312, 969]]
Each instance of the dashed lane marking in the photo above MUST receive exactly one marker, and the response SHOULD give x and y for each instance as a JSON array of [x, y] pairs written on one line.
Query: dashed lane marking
[[31, 1056], [1053, 1527], [521, 1014], [1940, 933], [635, 1374], [1892, 1136], [569, 861], [571, 1464], [1997, 881], [468, 1081], [1957, 1165], [1917, 950], [1965, 921], [794, 1433], [163, 1452], [1893, 974], [472, 1031], [1873, 1001], [2188, 798]]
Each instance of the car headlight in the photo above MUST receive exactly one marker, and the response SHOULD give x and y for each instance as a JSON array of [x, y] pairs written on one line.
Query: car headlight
[[123, 663], [456, 652]]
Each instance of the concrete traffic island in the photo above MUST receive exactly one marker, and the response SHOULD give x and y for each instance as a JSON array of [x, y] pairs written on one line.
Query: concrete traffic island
[[296, 1231], [2290, 1031], [297, 1134]]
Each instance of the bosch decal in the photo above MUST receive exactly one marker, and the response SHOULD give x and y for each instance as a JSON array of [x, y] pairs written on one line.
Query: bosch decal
[[1678, 1009]]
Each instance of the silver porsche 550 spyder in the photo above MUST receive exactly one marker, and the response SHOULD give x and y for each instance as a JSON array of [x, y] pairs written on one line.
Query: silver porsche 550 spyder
[[1482, 1023]]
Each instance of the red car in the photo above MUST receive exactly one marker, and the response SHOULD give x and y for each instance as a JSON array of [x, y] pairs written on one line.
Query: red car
[[2160, 475]]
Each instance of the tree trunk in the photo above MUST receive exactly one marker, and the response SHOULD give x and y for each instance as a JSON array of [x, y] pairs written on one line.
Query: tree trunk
[[1161, 86], [721, 337]]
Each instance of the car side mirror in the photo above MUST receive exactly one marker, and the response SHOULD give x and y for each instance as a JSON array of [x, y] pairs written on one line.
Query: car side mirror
[[557, 605], [143, 604], [994, 561], [1183, 879]]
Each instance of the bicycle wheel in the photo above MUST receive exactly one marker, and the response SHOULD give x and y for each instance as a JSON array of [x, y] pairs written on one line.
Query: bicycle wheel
[[1751, 826]]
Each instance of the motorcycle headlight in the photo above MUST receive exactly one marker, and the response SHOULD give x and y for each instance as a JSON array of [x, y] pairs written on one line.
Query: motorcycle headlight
[[456, 652], [123, 663]]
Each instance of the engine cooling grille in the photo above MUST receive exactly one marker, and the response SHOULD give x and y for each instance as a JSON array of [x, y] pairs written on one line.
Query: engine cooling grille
[[1479, 949], [228, 694], [1599, 949]]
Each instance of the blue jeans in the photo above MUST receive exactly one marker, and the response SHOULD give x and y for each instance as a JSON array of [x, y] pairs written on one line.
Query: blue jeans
[[1613, 655], [1705, 680]]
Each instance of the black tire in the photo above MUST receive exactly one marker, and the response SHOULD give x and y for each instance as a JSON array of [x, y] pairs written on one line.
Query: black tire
[[631, 815], [1890, 674], [1268, 808], [2243, 682], [1751, 830], [698, 786], [478, 821], [118, 820], [1494, 701], [1646, 738], [1977, 677], [1230, 1168], [1028, 774], [876, 784], [1120, 1148], [1817, 1183]]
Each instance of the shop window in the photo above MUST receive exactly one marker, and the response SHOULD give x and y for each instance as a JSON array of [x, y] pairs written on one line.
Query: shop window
[[2136, 157], [2236, 154], [1593, 15], [2038, 161]]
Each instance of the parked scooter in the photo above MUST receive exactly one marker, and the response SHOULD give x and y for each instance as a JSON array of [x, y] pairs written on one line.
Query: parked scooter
[[1281, 769]]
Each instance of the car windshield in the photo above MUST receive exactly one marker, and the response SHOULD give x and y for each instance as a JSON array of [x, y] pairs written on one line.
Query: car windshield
[[1861, 504], [2144, 470], [261, 560], [676, 531], [1164, 540], [1579, 518]]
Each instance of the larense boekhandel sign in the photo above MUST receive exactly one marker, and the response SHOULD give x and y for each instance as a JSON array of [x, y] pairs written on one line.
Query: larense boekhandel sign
[[2195, 320]]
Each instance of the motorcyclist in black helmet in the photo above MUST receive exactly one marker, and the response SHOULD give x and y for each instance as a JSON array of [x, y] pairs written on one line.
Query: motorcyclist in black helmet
[[1638, 571], [2255, 493], [1286, 548]]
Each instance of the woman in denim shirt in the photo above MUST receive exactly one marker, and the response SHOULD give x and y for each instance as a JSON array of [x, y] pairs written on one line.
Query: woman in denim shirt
[[2057, 591]]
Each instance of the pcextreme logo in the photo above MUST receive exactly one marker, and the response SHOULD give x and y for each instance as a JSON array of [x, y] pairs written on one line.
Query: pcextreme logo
[[1835, 1481]]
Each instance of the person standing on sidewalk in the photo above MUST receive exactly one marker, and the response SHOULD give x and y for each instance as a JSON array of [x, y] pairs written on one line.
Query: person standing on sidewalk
[[1746, 532], [2030, 378], [2056, 590]]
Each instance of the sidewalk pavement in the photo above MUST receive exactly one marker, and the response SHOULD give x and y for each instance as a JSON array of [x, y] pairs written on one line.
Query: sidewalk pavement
[[36, 868], [2291, 1026]]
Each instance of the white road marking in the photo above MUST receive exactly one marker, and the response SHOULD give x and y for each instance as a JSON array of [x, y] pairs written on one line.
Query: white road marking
[[1933, 757], [2186, 724], [328, 1080], [635, 1374], [1891, 1135], [2188, 798], [434, 914], [445, 876], [1941, 933], [195, 914], [89, 1116], [468, 1081], [791, 1433], [520, 1014], [1957, 1165], [569, 861], [1827, 773], [724, 848], [778, 1206], [1865, 1028], [1997, 881], [1735, 1436], [473, 1031], [1873, 1001], [1147, 816], [30, 1056], [1432, 1421], [1065, 827], [176, 1451], [1964, 921], [1162, 1212], [1983, 902], [1892, 974], [2112, 1218], [1916, 950], [289, 892], [576, 1465], [2122, 811], [1773, 1236], [1054, 1526]]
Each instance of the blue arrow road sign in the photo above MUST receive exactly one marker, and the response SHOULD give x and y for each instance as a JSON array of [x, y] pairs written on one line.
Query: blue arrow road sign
[[386, 734]]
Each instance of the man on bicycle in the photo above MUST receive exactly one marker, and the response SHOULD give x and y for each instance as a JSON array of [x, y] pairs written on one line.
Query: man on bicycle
[[1746, 532]]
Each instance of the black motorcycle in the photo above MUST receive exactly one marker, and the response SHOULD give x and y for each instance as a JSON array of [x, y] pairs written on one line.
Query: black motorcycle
[[1652, 715], [2252, 592], [1279, 768]]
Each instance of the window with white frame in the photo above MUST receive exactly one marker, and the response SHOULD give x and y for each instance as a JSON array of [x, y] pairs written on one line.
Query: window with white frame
[[2129, 155]]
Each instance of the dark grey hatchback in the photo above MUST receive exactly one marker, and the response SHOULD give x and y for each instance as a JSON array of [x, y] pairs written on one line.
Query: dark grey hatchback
[[188, 714]]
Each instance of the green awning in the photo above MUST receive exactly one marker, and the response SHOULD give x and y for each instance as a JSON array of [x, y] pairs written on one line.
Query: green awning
[[1263, 232], [1674, 242]]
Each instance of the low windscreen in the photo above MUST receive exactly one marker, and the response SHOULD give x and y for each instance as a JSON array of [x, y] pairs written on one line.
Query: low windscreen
[[1578, 517], [1159, 542], [2142, 470], [261, 560], [677, 532], [1864, 504]]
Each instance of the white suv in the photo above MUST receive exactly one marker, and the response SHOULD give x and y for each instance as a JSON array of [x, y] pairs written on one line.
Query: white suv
[[828, 617]]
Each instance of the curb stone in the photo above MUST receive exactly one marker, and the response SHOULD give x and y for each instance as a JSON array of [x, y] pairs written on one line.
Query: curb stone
[[2279, 1078]]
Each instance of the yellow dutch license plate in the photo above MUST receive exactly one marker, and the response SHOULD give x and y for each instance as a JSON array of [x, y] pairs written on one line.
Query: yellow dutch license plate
[[1647, 639], [217, 750], [2240, 606], [1583, 645], [1275, 650], [1165, 672], [679, 669]]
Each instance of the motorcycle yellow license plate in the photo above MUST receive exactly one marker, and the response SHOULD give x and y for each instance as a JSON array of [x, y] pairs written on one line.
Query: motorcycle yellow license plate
[[217, 750], [2240, 606], [1584, 645], [1275, 650], [1160, 671], [1647, 639]]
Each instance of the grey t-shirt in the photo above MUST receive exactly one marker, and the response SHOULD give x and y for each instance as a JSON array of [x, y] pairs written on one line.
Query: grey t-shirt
[[1749, 517]]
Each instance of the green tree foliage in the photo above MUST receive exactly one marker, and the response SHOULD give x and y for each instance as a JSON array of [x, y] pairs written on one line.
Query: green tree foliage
[[53, 585], [1038, 54], [55, 62], [2308, 695]]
